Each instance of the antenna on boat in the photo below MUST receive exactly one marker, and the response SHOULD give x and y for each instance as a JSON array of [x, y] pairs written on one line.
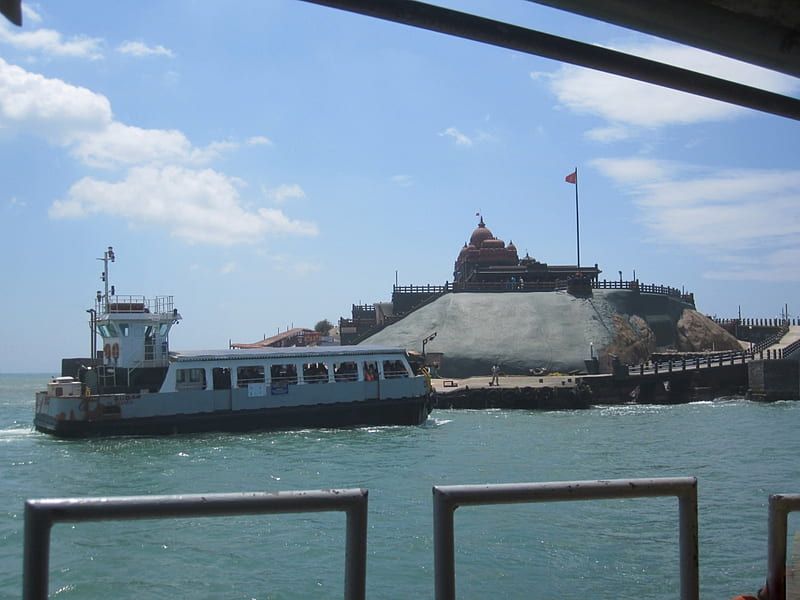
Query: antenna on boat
[[108, 255]]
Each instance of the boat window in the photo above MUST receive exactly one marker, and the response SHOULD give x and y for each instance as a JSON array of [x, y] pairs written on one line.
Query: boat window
[[370, 370], [345, 371], [190, 379], [107, 330], [393, 369], [163, 329], [221, 377], [125, 329], [283, 374], [247, 375], [149, 343], [315, 373]]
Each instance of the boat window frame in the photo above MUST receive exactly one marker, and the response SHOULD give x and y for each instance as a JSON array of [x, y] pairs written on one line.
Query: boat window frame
[[369, 370], [221, 375], [193, 383], [396, 368], [350, 374], [243, 382], [107, 330], [290, 378], [309, 374]]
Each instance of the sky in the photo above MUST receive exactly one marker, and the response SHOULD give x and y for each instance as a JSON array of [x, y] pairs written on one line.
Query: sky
[[270, 164]]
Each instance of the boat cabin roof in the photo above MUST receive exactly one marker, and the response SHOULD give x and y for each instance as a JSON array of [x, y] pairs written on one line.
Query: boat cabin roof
[[314, 353]]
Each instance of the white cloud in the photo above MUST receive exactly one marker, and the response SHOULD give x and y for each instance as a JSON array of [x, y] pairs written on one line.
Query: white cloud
[[199, 206], [229, 268], [160, 188], [259, 140], [82, 120], [628, 104], [459, 138], [729, 215], [123, 144], [296, 269], [51, 42], [141, 49], [285, 192], [30, 15], [15, 204], [403, 180], [51, 108]]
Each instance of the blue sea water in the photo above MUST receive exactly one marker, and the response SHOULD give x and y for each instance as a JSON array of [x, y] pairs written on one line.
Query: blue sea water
[[741, 452]]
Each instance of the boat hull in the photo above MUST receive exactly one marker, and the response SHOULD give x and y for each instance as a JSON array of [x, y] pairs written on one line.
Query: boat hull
[[404, 411]]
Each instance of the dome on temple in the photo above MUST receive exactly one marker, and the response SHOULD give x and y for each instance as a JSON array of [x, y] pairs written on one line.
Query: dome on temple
[[481, 234]]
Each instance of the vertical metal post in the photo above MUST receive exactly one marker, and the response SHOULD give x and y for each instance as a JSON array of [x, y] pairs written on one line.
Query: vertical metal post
[[36, 554], [355, 569], [444, 550], [779, 507], [689, 543]]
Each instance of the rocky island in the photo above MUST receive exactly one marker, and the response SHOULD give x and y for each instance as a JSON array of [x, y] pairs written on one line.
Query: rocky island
[[528, 317]]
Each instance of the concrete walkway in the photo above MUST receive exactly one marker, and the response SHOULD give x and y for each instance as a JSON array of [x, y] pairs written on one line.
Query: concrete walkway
[[791, 336], [445, 385]]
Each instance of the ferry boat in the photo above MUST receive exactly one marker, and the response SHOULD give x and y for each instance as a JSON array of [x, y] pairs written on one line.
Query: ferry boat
[[137, 386]]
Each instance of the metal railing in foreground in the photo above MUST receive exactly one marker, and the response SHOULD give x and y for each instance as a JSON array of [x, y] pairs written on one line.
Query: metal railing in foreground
[[447, 498], [41, 515], [780, 505]]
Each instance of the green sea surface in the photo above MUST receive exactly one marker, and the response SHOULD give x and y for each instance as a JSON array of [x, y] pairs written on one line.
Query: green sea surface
[[740, 451]]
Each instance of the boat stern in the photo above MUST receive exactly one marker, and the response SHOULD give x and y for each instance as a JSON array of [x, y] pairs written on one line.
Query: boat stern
[[61, 401]]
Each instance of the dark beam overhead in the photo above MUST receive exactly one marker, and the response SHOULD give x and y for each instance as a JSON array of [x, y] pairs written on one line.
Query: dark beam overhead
[[506, 35], [12, 10], [765, 34]]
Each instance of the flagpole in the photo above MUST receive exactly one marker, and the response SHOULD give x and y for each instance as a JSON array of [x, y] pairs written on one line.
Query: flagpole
[[577, 222]]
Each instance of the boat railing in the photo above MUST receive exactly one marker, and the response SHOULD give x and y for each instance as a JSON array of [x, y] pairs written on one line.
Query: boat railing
[[446, 499], [41, 515], [136, 304]]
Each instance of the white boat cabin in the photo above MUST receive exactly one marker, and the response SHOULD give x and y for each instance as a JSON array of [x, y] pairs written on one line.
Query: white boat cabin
[[283, 367]]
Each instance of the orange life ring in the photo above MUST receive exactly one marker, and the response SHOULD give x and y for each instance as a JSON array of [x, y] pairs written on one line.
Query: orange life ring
[[107, 351], [115, 351]]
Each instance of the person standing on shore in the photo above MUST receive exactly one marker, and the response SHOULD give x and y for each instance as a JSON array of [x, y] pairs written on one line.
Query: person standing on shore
[[495, 375]]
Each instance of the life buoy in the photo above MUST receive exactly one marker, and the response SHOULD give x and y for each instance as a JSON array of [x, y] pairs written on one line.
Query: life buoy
[[115, 351], [107, 351]]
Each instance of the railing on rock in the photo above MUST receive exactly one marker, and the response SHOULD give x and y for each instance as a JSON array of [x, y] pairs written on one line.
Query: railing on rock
[[520, 285], [718, 359], [365, 322]]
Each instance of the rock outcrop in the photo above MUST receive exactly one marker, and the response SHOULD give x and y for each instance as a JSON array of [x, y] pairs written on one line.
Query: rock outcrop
[[553, 331]]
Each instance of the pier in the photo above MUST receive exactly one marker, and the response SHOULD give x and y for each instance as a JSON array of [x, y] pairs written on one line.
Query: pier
[[766, 372]]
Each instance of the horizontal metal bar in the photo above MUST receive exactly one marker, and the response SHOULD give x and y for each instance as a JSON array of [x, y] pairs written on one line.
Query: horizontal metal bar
[[40, 515], [513, 37], [192, 505], [447, 498], [464, 495]]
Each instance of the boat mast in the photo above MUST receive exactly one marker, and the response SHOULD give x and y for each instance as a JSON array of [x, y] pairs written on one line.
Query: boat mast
[[108, 255]]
